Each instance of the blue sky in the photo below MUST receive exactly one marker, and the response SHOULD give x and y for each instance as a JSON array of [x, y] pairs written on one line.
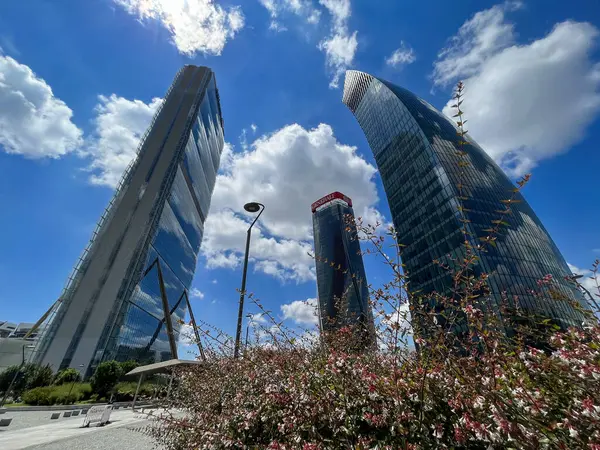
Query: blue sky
[[79, 82]]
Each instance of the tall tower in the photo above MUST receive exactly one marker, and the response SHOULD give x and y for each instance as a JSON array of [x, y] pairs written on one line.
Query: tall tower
[[341, 280], [142, 257], [415, 148]]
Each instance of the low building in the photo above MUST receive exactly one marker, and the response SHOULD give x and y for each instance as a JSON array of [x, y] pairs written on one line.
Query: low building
[[23, 328], [13, 351], [6, 328], [14, 348]]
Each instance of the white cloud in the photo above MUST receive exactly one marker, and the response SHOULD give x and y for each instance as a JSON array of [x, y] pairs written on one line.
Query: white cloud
[[586, 281], [254, 128], [33, 122], [387, 336], [196, 293], [295, 166], [292, 166], [479, 39], [226, 157], [195, 25], [524, 103], [302, 312], [224, 258], [214, 281], [186, 335], [401, 317], [339, 49], [401, 56], [341, 45], [119, 125], [339, 10], [243, 138], [224, 244], [258, 318], [301, 8]]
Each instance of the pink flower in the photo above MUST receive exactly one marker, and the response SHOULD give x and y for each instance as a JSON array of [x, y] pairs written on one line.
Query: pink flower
[[459, 435], [310, 447]]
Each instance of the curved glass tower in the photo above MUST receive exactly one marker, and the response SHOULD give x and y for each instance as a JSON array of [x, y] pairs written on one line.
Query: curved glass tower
[[341, 280], [415, 148], [128, 293]]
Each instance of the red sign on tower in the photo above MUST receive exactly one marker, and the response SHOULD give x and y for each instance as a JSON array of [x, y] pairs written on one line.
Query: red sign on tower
[[330, 197]]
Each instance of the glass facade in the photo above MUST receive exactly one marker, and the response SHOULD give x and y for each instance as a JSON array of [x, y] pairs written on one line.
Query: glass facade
[[113, 304], [341, 281], [141, 332], [415, 148]]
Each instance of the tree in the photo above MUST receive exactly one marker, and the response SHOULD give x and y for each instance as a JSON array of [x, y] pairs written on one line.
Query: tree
[[107, 375], [38, 376], [128, 366], [69, 375], [29, 376], [6, 376]]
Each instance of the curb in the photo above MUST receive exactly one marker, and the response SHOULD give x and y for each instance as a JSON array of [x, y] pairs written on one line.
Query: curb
[[63, 407]]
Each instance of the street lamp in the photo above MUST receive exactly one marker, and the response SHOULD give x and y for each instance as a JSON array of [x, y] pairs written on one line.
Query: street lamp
[[251, 207], [16, 374]]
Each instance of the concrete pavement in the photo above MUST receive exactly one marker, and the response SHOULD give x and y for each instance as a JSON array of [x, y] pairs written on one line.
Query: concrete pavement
[[57, 431]]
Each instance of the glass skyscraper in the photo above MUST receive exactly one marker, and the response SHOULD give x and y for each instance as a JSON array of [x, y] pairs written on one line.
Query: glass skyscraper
[[415, 148], [142, 257], [341, 280]]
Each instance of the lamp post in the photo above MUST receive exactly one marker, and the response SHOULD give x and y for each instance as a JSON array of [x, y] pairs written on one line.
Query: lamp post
[[16, 374], [81, 366], [246, 342], [251, 207]]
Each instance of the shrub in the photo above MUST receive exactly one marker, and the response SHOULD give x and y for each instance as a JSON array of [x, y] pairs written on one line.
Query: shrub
[[65, 394], [128, 366], [105, 378], [38, 376], [125, 390], [69, 375], [37, 396], [69, 394]]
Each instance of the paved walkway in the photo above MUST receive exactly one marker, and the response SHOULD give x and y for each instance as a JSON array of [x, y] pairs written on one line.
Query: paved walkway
[[56, 431]]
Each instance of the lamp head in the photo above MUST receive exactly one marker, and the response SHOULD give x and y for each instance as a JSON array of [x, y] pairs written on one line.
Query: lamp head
[[252, 207]]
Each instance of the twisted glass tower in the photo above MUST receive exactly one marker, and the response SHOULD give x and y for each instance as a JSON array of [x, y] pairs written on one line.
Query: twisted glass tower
[[415, 148], [128, 292], [341, 280]]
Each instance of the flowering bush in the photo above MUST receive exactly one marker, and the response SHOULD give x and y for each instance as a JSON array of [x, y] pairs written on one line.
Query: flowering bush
[[293, 396], [477, 380]]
